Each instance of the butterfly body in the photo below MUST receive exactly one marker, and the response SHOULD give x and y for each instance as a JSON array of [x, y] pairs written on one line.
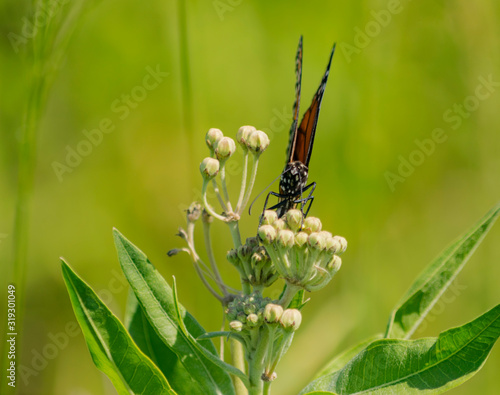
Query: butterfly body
[[293, 179]]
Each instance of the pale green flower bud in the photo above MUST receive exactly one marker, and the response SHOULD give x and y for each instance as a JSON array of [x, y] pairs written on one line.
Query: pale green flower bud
[[236, 326], [193, 212], [242, 317], [252, 242], [335, 264], [224, 148], [326, 234], [265, 302], [291, 319], [301, 238], [342, 242], [332, 245], [317, 241], [231, 313], [285, 238], [253, 320], [258, 142], [312, 224], [243, 251], [213, 135], [256, 258], [249, 308], [209, 168], [294, 219], [279, 224], [269, 217], [232, 257], [243, 134], [272, 313], [267, 234]]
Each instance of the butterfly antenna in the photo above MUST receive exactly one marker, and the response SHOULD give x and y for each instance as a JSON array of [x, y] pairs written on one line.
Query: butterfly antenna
[[265, 189]]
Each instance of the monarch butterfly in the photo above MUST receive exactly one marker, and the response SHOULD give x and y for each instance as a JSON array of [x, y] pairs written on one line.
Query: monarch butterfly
[[293, 179]]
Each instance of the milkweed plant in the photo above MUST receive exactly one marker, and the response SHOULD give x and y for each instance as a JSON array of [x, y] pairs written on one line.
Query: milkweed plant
[[161, 348]]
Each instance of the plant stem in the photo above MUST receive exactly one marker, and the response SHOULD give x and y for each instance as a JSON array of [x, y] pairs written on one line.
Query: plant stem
[[224, 186], [197, 261], [288, 295], [238, 362], [219, 197], [255, 167], [211, 258], [267, 388], [184, 66], [235, 234], [243, 183], [256, 364], [207, 206]]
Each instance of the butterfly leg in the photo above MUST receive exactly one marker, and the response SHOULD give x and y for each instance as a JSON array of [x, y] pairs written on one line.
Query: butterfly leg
[[309, 198], [280, 204]]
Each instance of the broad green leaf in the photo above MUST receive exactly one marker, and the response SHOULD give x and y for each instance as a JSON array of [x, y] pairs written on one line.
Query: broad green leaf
[[226, 334], [298, 301], [341, 359], [156, 299], [211, 357], [433, 365], [150, 343], [110, 346], [321, 393], [435, 279]]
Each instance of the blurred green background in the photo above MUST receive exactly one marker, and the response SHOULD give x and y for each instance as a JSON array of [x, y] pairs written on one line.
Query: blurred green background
[[386, 90]]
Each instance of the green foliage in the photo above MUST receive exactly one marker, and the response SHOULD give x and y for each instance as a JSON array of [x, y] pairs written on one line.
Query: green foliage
[[174, 325], [110, 346], [436, 278], [426, 364], [432, 365], [146, 338], [175, 354]]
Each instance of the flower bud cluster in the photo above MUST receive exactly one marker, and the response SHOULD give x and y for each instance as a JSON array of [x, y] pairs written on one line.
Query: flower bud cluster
[[256, 141], [246, 311], [301, 252], [253, 263], [222, 147], [252, 311], [289, 319]]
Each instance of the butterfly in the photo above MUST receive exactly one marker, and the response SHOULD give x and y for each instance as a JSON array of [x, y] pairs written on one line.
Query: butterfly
[[293, 179]]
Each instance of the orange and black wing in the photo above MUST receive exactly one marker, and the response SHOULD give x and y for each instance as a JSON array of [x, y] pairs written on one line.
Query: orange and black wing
[[296, 104], [304, 136]]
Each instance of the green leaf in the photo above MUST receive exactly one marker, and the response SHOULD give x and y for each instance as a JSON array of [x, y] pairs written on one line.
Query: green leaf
[[110, 346], [298, 301], [433, 365], [156, 299], [212, 358], [150, 343], [345, 356], [227, 334], [320, 393], [435, 279]]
